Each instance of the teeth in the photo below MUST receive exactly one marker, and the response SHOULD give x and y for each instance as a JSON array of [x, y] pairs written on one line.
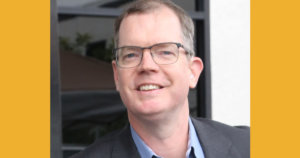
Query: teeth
[[148, 87]]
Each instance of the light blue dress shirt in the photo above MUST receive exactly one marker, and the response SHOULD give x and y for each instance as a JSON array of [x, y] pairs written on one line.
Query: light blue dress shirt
[[194, 147]]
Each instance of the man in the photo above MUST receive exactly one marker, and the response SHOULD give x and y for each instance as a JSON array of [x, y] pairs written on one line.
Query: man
[[154, 68]]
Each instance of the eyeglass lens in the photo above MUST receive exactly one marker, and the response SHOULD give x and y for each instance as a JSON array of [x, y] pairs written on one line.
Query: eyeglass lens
[[131, 56]]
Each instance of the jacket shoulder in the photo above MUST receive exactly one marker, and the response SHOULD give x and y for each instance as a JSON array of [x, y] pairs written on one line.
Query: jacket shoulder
[[239, 136], [100, 148], [114, 145], [226, 129]]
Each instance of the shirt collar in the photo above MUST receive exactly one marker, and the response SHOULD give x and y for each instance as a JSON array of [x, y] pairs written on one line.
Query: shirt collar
[[194, 147], [193, 143], [144, 150]]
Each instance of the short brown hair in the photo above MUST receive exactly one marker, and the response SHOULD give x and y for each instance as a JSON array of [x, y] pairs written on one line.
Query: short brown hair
[[145, 6]]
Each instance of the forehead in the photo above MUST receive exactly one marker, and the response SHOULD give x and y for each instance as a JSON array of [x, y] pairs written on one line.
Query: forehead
[[144, 29]]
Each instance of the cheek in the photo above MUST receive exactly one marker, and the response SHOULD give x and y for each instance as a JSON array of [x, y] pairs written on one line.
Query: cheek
[[181, 74], [123, 81], [180, 79], [183, 79], [126, 80]]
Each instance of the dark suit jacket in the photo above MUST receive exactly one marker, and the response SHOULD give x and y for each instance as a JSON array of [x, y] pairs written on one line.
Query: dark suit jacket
[[217, 140]]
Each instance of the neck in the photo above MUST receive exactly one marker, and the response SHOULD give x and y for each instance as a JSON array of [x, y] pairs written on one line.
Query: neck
[[166, 135]]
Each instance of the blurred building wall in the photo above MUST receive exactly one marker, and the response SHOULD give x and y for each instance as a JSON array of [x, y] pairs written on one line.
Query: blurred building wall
[[230, 61]]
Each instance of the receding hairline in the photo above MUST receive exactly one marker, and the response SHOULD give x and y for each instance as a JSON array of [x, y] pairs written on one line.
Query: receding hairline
[[149, 8], [170, 19]]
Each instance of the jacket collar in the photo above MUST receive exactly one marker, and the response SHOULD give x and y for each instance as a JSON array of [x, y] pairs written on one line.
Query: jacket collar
[[124, 146], [214, 143]]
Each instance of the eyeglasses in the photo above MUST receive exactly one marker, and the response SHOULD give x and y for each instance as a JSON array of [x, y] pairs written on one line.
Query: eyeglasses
[[162, 54]]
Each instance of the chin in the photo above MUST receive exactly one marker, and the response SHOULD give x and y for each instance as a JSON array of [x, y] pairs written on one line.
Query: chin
[[152, 111]]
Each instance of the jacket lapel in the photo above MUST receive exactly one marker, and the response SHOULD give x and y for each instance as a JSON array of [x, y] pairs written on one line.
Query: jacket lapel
[[213, 142], [124, 146]]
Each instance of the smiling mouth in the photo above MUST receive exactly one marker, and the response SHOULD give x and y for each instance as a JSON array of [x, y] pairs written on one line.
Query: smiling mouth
[[149, 87]]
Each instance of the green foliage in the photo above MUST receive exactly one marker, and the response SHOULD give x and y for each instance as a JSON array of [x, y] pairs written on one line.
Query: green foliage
[[100, 51], [103, 53], [65, 44], [81, 40]]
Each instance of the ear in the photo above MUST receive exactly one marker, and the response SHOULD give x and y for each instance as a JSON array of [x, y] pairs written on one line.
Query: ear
[[116, 77], [196, 67]]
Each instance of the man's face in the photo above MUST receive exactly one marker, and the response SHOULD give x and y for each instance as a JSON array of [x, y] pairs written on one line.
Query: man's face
[[173, 80]]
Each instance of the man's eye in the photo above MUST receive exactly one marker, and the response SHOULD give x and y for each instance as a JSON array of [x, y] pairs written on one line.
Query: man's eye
[[128, 56], [166, 53]]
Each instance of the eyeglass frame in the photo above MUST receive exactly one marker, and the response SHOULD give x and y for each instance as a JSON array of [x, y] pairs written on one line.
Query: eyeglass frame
[[179, 45]]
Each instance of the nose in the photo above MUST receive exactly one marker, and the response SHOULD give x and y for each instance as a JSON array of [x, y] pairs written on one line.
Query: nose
[[147, 62]]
